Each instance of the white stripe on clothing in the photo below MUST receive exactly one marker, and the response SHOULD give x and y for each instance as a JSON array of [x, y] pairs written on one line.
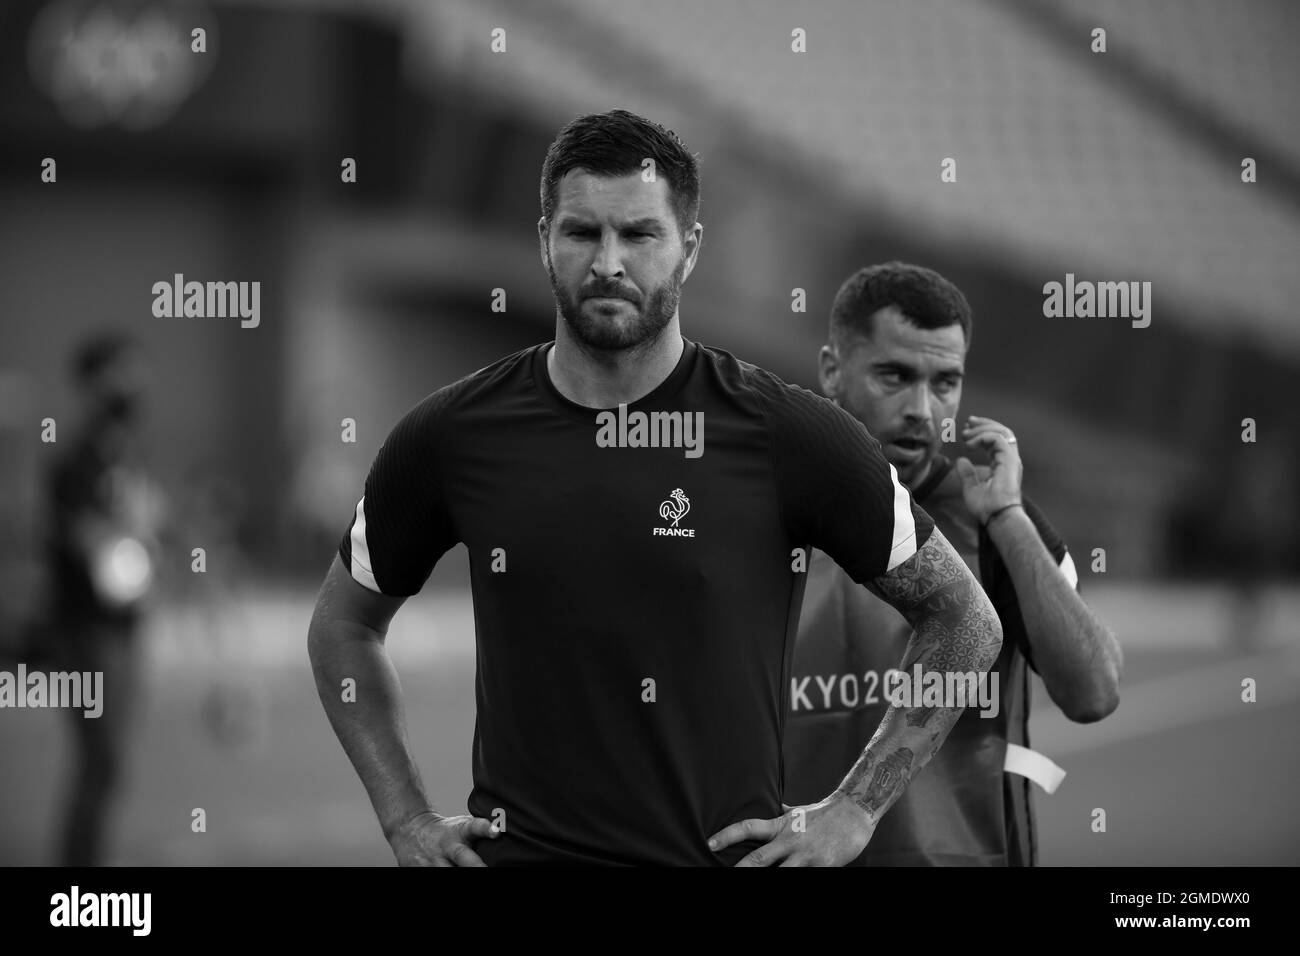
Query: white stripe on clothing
[[1032, 764], [904, 543], [1068, 569], [361, 551]]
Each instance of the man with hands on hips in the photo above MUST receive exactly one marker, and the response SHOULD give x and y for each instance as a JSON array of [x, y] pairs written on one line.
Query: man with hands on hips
[[630, 685]]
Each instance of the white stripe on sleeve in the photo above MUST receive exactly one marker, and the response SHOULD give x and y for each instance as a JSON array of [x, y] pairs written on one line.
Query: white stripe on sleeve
[[361, 551], [904, 543], [1069, 570]]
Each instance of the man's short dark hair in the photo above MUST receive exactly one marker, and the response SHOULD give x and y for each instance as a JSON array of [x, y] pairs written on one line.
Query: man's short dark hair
[[926, 299], [96, 352], [615, 144]]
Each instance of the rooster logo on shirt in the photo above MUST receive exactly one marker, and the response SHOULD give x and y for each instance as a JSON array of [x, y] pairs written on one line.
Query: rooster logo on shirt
[[675, 508]]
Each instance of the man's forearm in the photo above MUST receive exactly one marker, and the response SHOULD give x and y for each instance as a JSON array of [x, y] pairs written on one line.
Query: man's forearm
[[900, 747], [955, 630], [1075, 652], [372, 727]]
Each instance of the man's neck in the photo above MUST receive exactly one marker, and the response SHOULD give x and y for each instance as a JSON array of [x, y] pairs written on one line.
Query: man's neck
[[598, 379]]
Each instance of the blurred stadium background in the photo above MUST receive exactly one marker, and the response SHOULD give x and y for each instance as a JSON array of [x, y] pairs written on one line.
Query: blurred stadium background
[[1124, 165]]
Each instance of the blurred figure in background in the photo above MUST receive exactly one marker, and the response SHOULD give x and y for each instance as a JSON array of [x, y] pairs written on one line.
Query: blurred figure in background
[[896, 361], [104, 515], [22, 571], [210, 510]]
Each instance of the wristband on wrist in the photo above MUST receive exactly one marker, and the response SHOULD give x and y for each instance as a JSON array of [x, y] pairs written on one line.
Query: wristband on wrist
[[989, 520]]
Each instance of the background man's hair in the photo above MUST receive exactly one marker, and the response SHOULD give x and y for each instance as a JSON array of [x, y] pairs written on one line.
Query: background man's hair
[[614, 144], [926, 299], [96, 352]]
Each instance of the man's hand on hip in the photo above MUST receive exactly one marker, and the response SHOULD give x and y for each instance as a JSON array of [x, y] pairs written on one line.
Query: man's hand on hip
[[428, 839], [831, 833]]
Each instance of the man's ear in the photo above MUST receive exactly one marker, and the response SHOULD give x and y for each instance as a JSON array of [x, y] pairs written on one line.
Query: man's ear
[[543, 236], [828, 371], [691, 242]]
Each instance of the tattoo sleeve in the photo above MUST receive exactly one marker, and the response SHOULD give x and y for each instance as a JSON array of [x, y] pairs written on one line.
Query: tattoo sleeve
[[955, 631]]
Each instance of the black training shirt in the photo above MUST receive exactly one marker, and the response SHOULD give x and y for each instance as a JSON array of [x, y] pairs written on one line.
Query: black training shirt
[[635, 606]]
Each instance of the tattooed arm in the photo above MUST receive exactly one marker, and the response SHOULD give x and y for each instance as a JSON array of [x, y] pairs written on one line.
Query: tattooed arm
[[955, 629]]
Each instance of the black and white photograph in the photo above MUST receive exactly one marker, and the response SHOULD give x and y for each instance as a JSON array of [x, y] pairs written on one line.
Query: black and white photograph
[[650, 433]]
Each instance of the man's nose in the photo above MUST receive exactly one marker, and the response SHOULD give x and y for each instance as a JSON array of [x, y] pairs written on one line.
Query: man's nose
[[609, 258], [917, 407]]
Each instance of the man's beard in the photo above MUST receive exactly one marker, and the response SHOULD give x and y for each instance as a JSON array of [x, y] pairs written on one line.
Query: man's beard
[[909, 472], [618, 333]]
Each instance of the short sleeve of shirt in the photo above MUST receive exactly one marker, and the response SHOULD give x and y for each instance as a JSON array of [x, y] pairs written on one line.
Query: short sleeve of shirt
[[400, 527], [838, 492]]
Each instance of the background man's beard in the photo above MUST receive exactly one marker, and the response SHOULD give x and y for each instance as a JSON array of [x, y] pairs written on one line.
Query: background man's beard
[[909, 471], [619, 332]]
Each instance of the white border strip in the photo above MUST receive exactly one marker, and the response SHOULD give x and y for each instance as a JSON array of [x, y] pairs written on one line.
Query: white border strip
[[904, 545], [361, 551]]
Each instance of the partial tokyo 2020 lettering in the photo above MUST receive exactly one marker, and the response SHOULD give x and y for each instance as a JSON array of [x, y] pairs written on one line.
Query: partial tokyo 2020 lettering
[[920, 688]]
